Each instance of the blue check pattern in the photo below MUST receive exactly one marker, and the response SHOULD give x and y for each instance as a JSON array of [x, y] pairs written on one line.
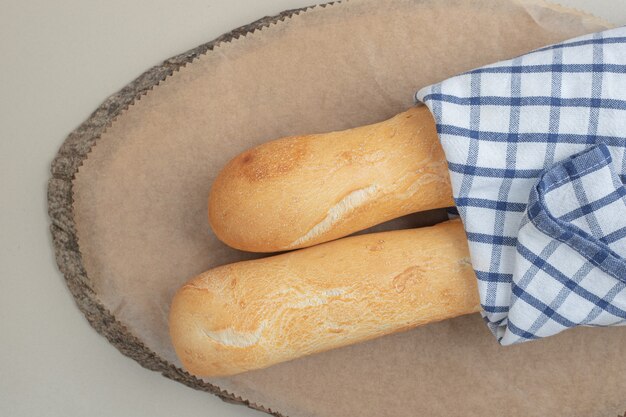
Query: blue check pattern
[[536, 151]]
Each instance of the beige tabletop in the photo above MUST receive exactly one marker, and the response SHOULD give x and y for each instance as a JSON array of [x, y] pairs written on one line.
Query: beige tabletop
[[61, 59]]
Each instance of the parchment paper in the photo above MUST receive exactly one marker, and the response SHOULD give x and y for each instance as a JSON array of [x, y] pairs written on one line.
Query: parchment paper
[[141, 202]]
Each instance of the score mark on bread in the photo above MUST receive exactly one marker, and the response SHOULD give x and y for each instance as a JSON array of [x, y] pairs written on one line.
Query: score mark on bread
[[346, 205]]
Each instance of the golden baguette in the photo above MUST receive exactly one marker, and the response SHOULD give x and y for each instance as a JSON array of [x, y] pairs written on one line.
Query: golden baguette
[[303, 190], [252, 314]]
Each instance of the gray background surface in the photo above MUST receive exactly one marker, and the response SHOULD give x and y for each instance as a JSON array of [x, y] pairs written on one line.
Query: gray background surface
[[61, 59]]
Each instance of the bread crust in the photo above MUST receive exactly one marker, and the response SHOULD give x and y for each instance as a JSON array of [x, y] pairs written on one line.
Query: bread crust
[[299, 191], [252, 314]]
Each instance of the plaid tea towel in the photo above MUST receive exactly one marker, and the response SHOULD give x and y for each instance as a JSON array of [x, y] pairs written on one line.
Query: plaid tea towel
[[536, 155]]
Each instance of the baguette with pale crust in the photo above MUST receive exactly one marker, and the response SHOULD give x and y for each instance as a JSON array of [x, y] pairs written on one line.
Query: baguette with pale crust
[[299, 191], [252, 314]]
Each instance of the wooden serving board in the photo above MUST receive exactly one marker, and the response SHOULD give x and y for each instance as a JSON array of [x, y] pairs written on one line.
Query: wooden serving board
[[127, 202]]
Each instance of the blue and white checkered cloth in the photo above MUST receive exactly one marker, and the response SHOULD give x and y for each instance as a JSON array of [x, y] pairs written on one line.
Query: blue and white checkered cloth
[[536, 151]]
